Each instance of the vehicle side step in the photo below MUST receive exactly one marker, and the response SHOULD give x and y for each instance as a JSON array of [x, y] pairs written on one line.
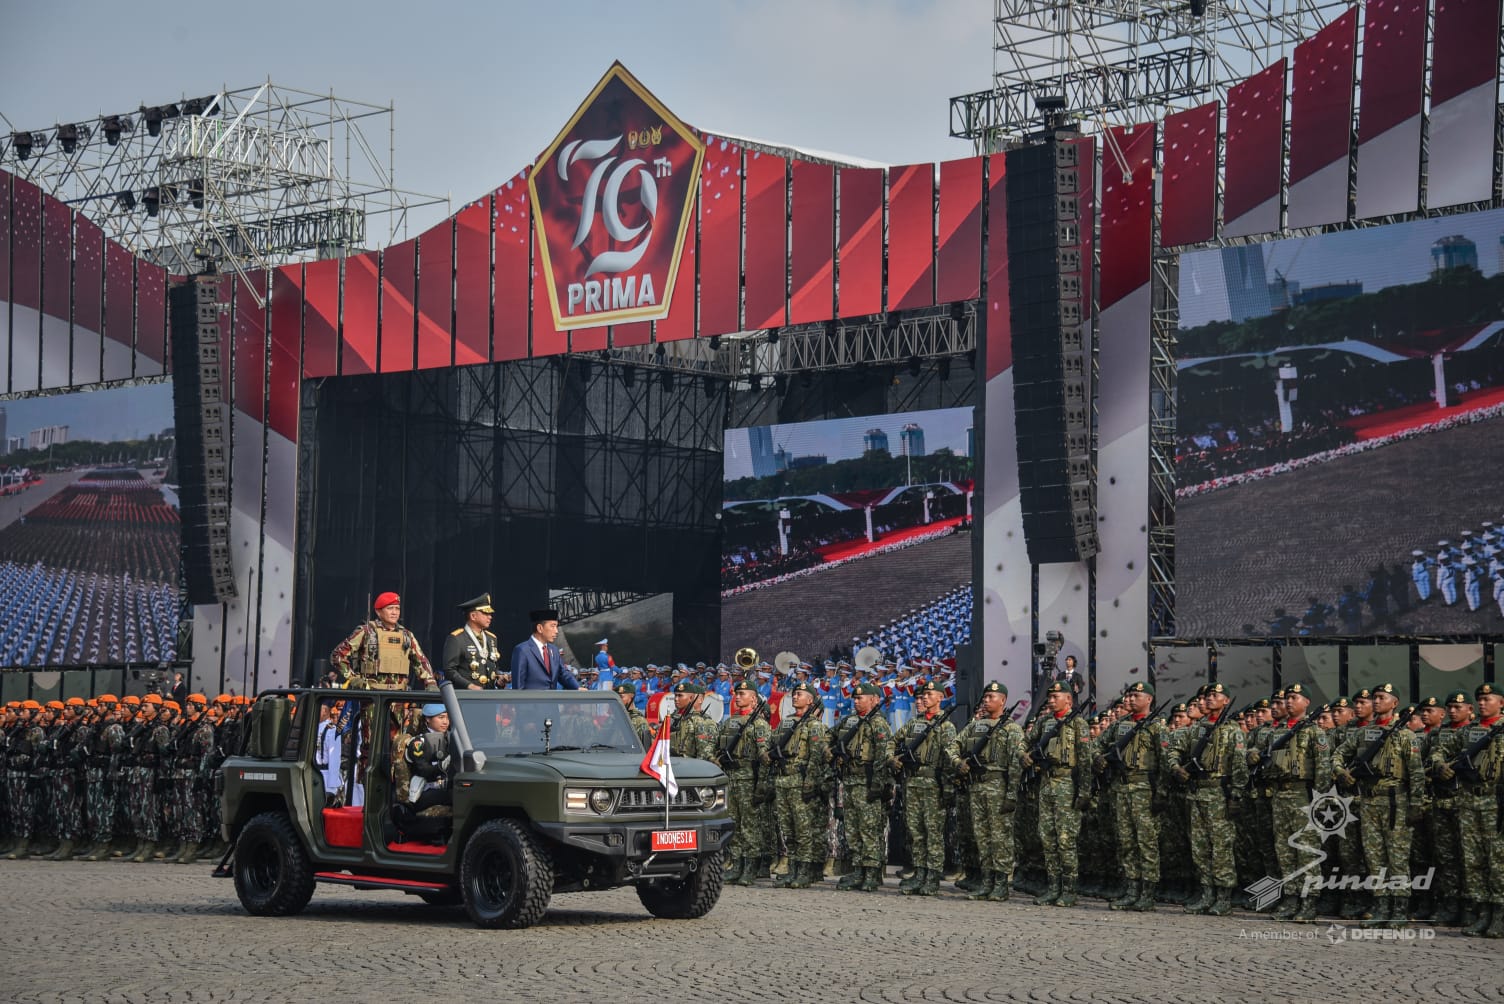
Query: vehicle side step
[[378, 882]]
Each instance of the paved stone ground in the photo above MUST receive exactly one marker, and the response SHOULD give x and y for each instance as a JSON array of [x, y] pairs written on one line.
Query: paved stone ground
[[1242, 551], [813, 613], [119, 932]]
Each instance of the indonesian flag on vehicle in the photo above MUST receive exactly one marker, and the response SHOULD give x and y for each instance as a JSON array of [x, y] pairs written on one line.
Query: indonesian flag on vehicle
[[656, 764]]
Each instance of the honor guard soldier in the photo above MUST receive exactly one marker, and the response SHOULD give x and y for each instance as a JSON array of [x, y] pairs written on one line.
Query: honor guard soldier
[[859, 747], [1473, 756], [381, 654], [1382, 760], [1210, 760], [740, 742], [986, 755], [1053, 747], [799, 757], [1296, 762], [627, 691], [472, 660], [692, 733], [1130, 756], [918, 753]]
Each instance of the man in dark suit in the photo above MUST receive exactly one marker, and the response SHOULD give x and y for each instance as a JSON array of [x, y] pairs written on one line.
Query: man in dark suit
[[536, 662]]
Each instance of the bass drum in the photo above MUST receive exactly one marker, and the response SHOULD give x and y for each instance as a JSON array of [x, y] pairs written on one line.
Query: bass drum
[[713, 707], [785, 706], [658, 706]]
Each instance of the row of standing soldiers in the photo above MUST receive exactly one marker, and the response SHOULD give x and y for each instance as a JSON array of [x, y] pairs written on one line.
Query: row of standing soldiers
[[1303, 809], [133, 778]]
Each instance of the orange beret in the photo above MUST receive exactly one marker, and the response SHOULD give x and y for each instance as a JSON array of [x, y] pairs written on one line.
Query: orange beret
[[174, 705], [224, 699], [131, 699], [31, 705], [197, 699], [56, 705], [107, 699], [76, 702], [152, 699], [92, 702]]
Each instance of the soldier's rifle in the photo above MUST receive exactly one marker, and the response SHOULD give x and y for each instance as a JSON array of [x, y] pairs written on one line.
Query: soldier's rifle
[[908, 753], [1116, 764], [1035, 754], [1362, 765], [973, 756], [1193, 764], [1280, 742], [1462, 764]]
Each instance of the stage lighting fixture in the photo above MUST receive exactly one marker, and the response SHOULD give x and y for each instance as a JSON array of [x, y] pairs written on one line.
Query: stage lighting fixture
[[69, 135], [196, 192], [126, 200], [152, 199], [629, 375], [780, 384], [772, 336], [943, 368], [21, 143], [584, 368], [153, 119], [666, 380], [708, 382], [755, 380], [715, 343], [1198, 8], [193, 106], [114, 125], [914, 366], [807, 379], [213, 106]]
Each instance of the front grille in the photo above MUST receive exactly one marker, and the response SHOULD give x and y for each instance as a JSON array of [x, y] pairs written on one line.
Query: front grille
[[647, 799]]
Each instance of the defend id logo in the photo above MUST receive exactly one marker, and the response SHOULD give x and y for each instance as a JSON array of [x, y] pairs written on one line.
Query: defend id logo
[[613, 197]]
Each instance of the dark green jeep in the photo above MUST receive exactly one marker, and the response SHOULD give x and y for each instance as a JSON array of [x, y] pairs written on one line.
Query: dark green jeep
[[547, 796]]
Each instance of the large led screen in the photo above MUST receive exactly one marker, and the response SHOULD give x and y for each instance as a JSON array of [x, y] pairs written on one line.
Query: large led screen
[[89, 529], [1339, 436], [845, 533]]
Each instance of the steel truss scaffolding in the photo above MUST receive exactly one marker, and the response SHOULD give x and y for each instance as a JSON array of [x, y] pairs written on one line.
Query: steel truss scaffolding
[[247, 179], [887, 340], [1119, 62]]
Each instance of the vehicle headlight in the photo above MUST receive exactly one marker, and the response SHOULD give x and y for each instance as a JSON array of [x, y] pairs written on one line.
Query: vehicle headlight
[[720, 798], [600, 800], [707, 794], [576, 799]]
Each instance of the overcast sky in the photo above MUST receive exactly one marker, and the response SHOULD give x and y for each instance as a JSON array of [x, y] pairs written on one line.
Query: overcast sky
[[480, 89], [842, 438]]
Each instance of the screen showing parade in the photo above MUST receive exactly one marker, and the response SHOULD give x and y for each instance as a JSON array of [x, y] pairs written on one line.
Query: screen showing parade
[[1339, 435], [89, 529], [818, 512]]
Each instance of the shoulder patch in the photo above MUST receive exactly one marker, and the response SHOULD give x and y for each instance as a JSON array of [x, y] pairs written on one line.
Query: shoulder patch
[[456, 631]]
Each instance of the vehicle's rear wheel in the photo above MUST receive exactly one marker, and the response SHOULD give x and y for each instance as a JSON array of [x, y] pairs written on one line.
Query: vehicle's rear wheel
[[506, 878], [273, 876], [686, 898]]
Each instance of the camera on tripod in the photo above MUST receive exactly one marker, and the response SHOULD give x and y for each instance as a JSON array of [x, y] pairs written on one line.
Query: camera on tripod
[[1047, 650]]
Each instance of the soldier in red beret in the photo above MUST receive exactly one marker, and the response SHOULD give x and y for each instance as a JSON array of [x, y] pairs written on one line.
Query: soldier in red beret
[[381, 654]]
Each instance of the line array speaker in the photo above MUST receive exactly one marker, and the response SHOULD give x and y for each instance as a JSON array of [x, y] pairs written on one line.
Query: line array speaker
[[203, 439], [1051, 335]]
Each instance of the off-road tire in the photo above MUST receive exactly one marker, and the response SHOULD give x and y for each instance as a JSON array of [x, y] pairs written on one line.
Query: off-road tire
[[273, 876], [506, 878], [686, 898]]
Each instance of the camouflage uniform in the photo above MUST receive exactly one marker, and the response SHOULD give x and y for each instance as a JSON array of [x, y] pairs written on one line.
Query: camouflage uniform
[[740, 743], [860, 746], [377, 658], [987, 753], [149, 742], [1135, 780], [1064, 787], [68, 784], [691, 734], [924, 814], [1444, 823], [1211, 761], [193, 748], [640, 726], [25, 743], [1296, 763], [1480, 813], [101, 796], [1384, 760], [800, 760]]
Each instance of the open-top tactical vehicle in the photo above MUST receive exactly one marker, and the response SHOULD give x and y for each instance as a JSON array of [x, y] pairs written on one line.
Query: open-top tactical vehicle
[[547, 791]]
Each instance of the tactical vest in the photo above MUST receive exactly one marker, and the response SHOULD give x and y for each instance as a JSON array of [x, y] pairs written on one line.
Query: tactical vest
[[391, 653], [1061, 746], [1486, 763], [1387, 763]]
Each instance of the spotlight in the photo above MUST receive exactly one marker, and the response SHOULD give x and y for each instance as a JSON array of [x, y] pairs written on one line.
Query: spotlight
[[780, 384], [755, 380], [193, 106], [772, 336], [943, 368], [21, 142], [715, 343], [153, 119], [196, 192], [1198, 8], [212, 105], [114, 125], [126, 200], [914, 366], [69, 135], [152, 199]]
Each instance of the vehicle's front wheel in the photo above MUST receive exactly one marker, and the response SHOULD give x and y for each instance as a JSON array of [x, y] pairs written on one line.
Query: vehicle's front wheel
[[687, 898], [505, 876], [273, 877]]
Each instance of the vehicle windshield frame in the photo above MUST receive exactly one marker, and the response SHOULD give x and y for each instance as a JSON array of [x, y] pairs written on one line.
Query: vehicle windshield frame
[[505, 725]]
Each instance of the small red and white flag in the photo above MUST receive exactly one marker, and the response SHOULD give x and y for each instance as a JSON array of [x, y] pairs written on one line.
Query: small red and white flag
[[656, 763]]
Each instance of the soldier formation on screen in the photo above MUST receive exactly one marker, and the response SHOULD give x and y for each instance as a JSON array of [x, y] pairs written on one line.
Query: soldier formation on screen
[[134, 778]]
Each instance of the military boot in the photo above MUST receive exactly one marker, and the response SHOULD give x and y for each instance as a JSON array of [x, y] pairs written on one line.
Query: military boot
[[165, 851], [144, 852], [1447, 914], [1288, 904], [973, 880], [872, 879], [188, 854], [1306, 912], [1051, 892], [82, 853], [1067, 895], [931, 885], [1202, 902], [1001, 889], [1379, 915], [738, 865], [1481, 924], [802, 873], [64, 851], [852, 880], [1221, 902], [1145, 901], [1399, 911], [984, 887], [1352, 906], [20, 852], [101, 852], [1129, 897], [914, 881], [1495, 928]]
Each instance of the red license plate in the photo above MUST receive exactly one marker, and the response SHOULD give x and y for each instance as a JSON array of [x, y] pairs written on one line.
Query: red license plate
[[676, 840]]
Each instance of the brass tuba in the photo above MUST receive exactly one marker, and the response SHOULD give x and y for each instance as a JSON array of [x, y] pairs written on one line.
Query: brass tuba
[[746, 658]]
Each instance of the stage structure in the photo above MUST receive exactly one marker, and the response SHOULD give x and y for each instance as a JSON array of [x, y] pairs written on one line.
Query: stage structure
[[248, 178], [784, 244]]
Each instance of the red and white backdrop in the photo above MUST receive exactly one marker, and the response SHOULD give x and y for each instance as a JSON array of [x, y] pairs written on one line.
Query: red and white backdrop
[[765, 239]]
